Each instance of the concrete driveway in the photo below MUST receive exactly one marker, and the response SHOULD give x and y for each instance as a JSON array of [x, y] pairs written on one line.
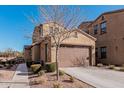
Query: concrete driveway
[[98, 77]]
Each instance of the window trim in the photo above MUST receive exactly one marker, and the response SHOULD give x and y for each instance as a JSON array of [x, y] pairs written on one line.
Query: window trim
[[103, 18], [96, 52], [95, 30], [105, 55], [101, 29]]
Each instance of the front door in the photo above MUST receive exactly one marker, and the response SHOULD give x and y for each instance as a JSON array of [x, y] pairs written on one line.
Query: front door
[[46, 52]]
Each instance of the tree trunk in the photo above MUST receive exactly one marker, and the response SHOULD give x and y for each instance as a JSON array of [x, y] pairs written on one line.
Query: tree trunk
[[57, 65]]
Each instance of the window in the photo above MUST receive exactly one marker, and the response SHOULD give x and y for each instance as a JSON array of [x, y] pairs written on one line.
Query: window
[[96, 53], [86, 30], [95, 29], [46, 52], [41, 32], [103, 27], [103, 52], [102, 17]]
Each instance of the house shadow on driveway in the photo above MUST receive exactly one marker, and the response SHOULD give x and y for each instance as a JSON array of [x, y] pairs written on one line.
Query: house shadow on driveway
[[23, 73]]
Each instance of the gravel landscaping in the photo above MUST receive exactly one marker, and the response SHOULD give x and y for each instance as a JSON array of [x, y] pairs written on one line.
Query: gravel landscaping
[[7, 74], [48, 80]]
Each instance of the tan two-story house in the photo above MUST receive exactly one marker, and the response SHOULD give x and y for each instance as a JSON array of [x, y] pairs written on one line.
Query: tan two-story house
[[77, 50], [108, 28]]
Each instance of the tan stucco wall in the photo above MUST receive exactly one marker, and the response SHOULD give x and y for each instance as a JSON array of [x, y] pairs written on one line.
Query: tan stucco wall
[[38, 52], [80, 40], [113, 39], [27, 54], [42, 51], [35, 53]]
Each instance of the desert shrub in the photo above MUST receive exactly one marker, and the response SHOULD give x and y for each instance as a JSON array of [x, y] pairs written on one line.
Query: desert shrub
[[3, 63], [36, 68], [119, 68], [40, 80], [8, 66], [71, 79], [9, 62], [13, 62], [1, 66], [122, 69], [50, 67], [28, 64], [61, 73], [100, 65], [111, 66], [122, 65], [34, 82], [57, 85], [40, 73]]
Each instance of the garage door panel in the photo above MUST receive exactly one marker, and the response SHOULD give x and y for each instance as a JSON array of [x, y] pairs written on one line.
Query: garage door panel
[[69, 57]]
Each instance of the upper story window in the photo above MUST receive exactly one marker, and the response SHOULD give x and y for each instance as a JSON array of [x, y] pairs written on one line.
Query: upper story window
[[102, 17], [103, 27], [86, 30], [41, 32], [103, 51], [95, 29]]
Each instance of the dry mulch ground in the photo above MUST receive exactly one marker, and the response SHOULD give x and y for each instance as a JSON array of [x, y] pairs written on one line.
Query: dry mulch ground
[[49, 79], [7, 74]]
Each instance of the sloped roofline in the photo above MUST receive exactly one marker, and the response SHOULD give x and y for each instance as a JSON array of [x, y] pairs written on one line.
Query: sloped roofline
[[109, 12]]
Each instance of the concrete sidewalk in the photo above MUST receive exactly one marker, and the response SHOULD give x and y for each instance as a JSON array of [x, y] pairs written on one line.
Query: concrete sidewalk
[[98, 77], [19, 80]]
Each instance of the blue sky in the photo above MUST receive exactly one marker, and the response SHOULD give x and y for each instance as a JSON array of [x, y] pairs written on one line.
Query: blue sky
[[14, 25]]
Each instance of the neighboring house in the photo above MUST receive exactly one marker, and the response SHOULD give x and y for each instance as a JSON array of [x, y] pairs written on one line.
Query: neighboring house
[[77, 50], [27, 53], [84, 26], [108, 28]]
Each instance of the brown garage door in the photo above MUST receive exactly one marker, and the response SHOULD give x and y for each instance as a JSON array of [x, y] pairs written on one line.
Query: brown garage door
[[73, 56]]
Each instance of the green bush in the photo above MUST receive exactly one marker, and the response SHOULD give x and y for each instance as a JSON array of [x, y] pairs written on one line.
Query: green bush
[[1, 66], [13, 62], [111, 66], [122, 69], [36, 68], [3, 63], [29, 63], [8, 66], [61, 73], [34, 82], [71, 79], [40, 73], [119, 69], [57, 85], [37, 81], [99, 65], [50, 67], [9, 62]]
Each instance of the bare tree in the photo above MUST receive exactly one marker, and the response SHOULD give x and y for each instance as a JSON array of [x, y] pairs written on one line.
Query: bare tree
[[64, 19]]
